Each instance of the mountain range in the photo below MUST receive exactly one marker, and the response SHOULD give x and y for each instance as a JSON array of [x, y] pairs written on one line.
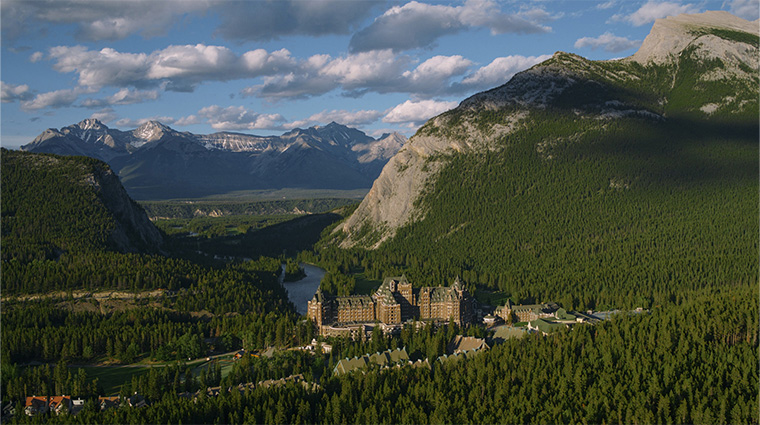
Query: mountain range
[[155, 161]]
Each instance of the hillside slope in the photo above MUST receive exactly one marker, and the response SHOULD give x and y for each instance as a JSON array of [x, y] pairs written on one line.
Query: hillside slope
[[580, 177], [52, 204]]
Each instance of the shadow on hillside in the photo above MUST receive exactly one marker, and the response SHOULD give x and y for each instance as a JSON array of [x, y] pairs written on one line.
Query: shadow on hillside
[[287, 238]]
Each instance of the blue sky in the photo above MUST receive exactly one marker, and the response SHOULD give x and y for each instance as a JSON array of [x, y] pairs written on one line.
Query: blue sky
[[264, 67]]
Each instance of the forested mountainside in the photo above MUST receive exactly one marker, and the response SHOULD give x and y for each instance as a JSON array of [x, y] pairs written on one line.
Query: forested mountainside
[[155, 161], [70, 230], [53, 204], [586, 182], [67, 223]]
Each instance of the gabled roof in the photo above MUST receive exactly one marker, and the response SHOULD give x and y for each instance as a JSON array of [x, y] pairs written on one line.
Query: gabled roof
[[355, 301], [466, 343], [384, 359]]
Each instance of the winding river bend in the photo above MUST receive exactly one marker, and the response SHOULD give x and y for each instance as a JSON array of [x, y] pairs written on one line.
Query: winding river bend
[[301, 291]]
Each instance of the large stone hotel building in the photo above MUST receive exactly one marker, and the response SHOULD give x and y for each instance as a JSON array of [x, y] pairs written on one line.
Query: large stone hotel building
[[390, 306]]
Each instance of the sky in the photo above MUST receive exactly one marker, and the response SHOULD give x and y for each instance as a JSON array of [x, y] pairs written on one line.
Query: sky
[[266, 67]]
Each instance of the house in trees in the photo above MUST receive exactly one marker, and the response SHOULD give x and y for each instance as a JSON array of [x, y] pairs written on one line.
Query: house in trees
[[106, 403], [461, 344], [526, 312], [394, 303], [43, 404], [397, 357]]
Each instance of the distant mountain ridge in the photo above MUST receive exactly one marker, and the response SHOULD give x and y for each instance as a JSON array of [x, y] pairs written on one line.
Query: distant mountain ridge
[[155, 161]]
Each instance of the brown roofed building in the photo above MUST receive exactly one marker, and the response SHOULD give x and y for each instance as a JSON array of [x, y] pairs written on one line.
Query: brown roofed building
[[526, 312], [43, 404], [461, 344], [109, 402], [392, 304]]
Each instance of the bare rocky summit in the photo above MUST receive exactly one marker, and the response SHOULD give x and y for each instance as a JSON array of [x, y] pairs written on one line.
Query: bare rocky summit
[[672, 35]]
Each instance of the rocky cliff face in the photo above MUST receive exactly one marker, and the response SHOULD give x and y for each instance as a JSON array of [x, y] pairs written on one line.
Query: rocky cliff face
[[133, 231], [672, 35], [653, 84]]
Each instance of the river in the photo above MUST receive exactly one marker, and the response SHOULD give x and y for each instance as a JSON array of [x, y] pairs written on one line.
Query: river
[[301, 291]]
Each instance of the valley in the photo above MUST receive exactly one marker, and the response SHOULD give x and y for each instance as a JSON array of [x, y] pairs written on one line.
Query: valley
[[577, 245]]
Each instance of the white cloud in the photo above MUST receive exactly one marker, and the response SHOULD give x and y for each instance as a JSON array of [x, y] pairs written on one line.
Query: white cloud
[[432, 76], [180, 66], [239, 118], [348, 118], [122, 97], [655, 10], [376, 68], [417, 112], [101, 68], [11, 92], [36, 57], [188, 120], [499, 71], [747, 9], [379, 71], [607, 41], [415, 25], [53, 99]]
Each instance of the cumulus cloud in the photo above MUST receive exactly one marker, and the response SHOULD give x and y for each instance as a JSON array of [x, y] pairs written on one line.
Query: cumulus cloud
[[239, 118], [433, 75], [53, 99], [348, 118], [655, 10], [11, 92], [498, 72], [122, 97], [416, 113], [180, 67], [36, 57], [379, 71], [747, 9], [415, 25], [366, 69], [607, 41], [267, 20]]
